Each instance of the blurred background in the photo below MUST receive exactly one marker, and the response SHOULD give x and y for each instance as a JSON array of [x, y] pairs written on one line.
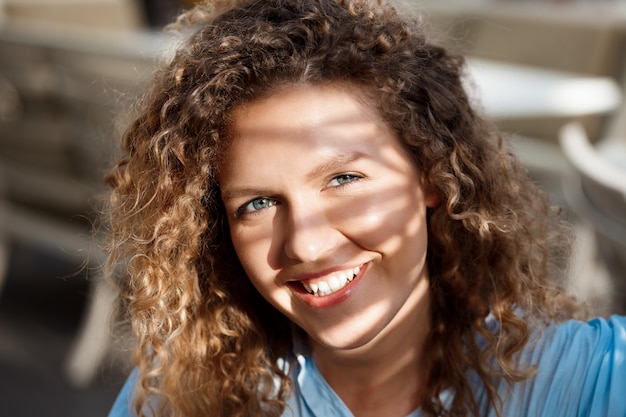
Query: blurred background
[[549, 73]]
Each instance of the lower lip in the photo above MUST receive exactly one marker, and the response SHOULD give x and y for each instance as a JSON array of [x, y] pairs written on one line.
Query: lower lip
[[330, 300]]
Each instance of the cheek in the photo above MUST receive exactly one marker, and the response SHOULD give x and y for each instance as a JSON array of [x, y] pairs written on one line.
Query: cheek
[[386, 219], [252, 246]]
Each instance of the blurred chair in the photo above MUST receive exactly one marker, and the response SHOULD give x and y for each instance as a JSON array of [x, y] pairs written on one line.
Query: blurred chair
[[596, 192], [57, 108]]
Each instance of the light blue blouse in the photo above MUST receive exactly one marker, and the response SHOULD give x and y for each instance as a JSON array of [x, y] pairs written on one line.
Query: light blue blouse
[[581, 372]]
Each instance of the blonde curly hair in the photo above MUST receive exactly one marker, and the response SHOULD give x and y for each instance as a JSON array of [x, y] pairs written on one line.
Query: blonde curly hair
[[207, 343]]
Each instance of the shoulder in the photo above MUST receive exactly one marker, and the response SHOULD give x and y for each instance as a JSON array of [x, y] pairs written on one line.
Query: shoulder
[[599, 329], [123, 403], [594, 342], [581, 370]]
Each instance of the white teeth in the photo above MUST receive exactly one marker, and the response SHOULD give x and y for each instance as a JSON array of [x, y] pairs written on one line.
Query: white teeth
[[343, 280], [332, 283], [324, 288]]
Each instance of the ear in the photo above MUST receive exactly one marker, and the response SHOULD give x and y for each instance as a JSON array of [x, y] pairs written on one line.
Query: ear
[[432, 197]]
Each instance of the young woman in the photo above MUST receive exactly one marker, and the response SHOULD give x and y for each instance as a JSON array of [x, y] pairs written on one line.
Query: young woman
[[316, 222]]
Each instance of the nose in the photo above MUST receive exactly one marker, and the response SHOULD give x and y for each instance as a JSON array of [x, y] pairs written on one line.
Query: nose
[[309, 233]]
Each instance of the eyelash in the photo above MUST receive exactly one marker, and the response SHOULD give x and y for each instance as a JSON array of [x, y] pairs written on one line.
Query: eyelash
[[353, 178], [244, 211]]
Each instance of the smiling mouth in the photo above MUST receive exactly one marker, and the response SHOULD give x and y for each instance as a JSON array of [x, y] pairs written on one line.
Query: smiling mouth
[[332, 283]]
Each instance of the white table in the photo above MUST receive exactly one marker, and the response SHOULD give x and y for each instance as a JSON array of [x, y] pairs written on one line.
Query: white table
[[507, 91]]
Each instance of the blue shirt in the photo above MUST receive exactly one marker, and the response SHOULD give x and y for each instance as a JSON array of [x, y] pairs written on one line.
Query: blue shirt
[[581, 372]]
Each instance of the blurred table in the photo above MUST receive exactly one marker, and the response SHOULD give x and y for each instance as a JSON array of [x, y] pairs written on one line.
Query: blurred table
[[507, 91]]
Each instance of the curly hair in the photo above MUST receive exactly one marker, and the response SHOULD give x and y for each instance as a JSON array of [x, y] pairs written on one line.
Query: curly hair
[[207, 342]]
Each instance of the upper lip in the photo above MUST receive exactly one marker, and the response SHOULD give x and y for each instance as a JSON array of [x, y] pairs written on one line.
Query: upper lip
[[310, 276]]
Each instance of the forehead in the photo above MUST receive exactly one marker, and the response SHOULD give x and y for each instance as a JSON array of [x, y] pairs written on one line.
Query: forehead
[[291, 99], [305, 115], [303, 123]]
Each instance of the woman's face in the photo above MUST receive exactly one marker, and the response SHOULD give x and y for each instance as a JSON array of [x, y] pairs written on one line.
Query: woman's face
[[327, 213]]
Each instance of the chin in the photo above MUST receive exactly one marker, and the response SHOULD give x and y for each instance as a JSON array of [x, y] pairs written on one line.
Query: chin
[[343, 341]]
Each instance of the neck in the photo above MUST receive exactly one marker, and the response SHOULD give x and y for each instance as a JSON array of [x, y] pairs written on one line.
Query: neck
[[387, 375]]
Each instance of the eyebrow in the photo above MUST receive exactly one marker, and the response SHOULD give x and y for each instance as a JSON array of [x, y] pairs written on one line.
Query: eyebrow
[[333, 164], [240, 192]]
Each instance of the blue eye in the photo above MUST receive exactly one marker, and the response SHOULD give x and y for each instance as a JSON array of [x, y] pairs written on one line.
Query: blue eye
[[343, 179], [256, 205]]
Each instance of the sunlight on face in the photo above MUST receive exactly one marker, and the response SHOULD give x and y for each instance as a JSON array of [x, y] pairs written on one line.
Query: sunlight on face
[[326, 213]]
